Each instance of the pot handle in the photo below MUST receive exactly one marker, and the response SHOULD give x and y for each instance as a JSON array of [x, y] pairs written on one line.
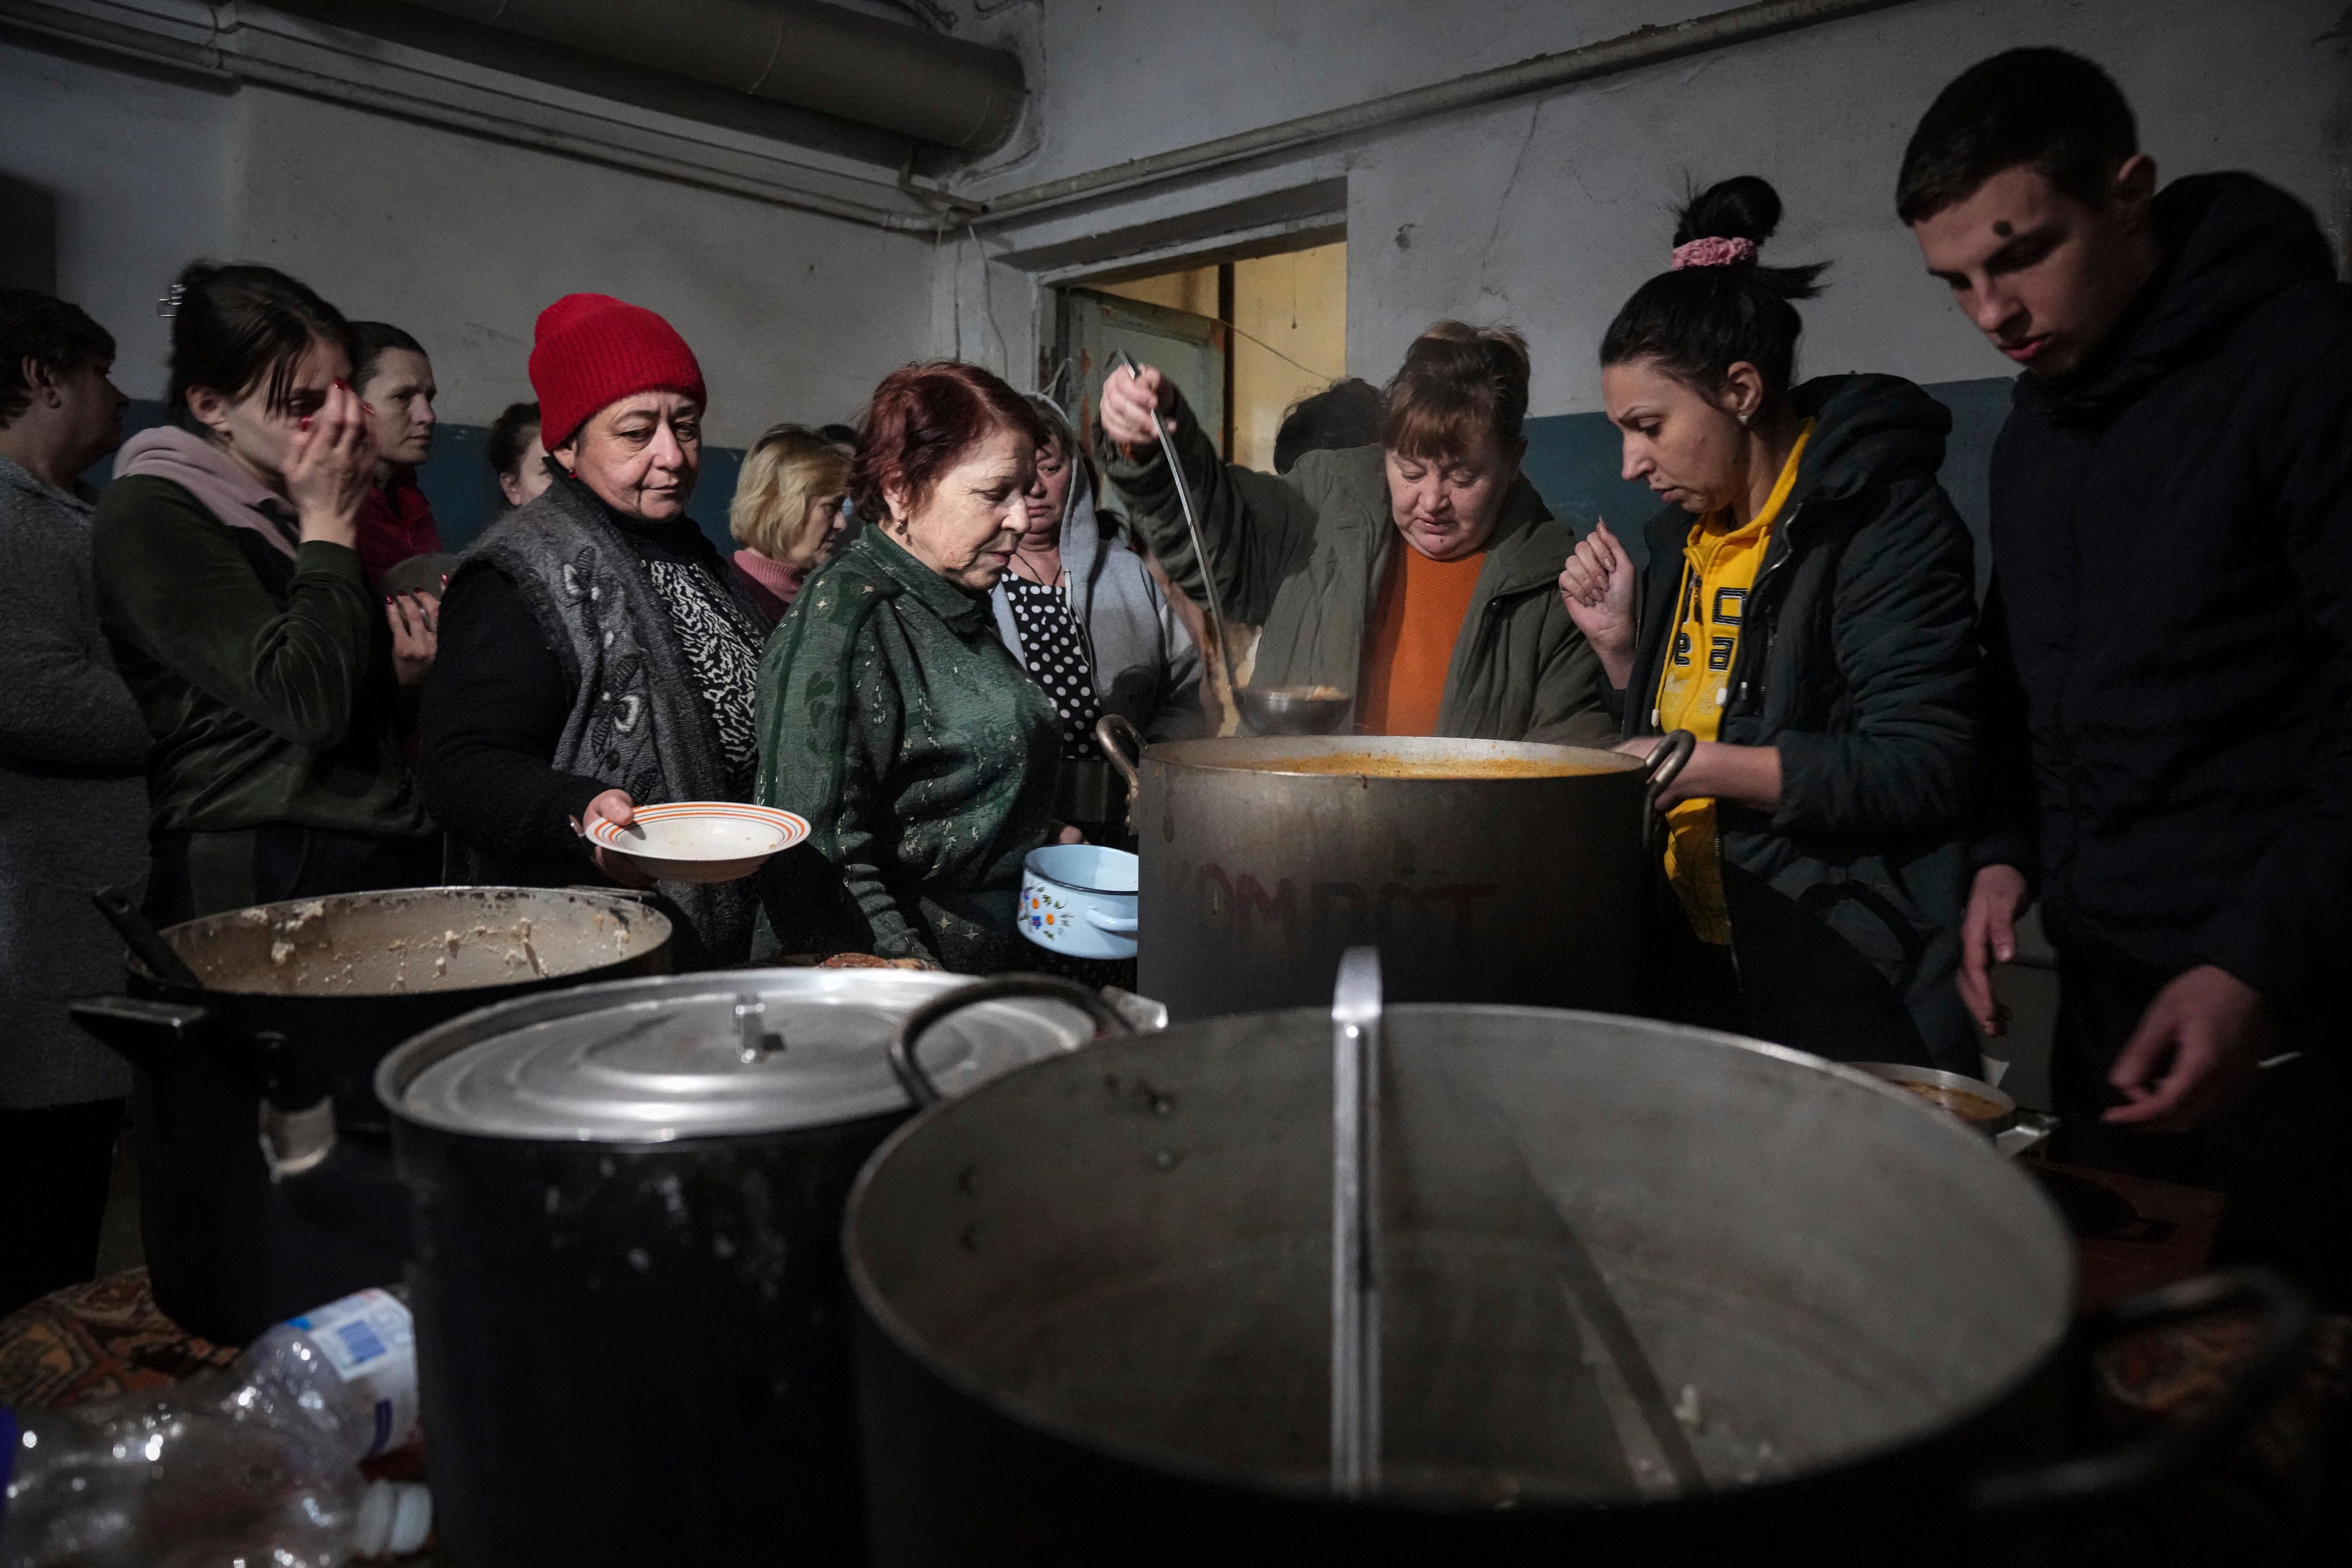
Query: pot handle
[[2288, 1320], [1117, 736], [996, 988], [1111, 922], [146, 1034], [129, 923], [345, 1183], [1666, 762]]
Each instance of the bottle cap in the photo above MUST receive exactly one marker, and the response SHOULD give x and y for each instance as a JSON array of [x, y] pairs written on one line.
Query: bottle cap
[[395, 1517]]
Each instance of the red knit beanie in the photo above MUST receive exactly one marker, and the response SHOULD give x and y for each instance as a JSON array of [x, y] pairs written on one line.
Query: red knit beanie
[[592, 350]]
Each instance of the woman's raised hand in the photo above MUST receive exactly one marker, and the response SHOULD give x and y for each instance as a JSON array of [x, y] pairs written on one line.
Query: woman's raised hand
[[1133, 405], [329, 463], [1597, 585]]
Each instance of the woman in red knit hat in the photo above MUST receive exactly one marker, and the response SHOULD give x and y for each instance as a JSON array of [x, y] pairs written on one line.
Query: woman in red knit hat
[[593, 656]]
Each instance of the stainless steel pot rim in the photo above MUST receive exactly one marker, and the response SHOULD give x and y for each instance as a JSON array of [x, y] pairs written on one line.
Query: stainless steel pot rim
[[1237, 754], [718, 1053], [293, 916], [1903, 1073], [1027, 1413]]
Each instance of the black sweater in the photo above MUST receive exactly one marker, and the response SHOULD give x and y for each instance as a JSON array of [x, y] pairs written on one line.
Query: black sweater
[[493, 713], [2169, 637]]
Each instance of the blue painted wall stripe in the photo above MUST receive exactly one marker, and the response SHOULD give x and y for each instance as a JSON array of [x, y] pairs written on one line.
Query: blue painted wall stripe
[[1572, 458]]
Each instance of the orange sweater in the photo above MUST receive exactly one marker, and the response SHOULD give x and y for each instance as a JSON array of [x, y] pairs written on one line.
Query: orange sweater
[[1410, 641]]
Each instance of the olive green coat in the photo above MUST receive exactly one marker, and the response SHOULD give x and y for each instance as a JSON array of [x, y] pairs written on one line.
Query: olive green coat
[[892, 718], [1304, 555]]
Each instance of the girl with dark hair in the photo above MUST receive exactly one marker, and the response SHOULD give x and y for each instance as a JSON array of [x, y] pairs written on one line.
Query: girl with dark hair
[[1807, 611], [891, 715], [518, 462], [230, 585], [394, 381], [1415, 574], [593, 656]]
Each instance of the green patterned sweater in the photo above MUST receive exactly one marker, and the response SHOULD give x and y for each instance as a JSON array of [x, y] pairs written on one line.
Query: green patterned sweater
[[892, 718]]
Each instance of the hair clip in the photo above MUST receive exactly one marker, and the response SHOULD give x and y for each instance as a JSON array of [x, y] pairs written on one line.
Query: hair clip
[[168, 306]]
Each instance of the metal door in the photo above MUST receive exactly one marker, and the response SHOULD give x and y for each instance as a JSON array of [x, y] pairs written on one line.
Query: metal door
[[1189, 349]]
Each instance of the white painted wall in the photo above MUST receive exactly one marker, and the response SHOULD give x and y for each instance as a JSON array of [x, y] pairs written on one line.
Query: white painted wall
[[140, 170], [464, 241], [1547, 213], [460, 240]]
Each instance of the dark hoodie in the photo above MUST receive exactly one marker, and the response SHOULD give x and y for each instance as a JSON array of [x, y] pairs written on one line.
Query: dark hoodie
[[2169, 635], [1858, 662]]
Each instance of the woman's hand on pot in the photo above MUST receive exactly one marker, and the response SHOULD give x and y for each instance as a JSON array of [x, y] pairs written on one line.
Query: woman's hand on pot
[[1597, 586], [1718, 770], [612, 806], [415, 621], [330, 464], [1133, 407], [1064, 834]]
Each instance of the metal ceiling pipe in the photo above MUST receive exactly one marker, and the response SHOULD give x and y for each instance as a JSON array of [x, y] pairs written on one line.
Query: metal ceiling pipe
[[939, 89]]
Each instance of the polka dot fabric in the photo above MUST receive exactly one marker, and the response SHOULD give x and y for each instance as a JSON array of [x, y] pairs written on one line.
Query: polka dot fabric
[[1055, 658]]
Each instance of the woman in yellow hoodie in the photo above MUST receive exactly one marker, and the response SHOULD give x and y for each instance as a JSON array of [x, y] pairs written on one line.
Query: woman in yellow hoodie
[[1807, 611]]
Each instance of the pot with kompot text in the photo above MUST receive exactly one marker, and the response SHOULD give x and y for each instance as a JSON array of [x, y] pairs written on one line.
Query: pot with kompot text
[[1483, 871]]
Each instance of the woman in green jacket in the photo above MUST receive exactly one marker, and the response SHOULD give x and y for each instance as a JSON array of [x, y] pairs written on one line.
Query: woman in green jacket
[[230, 588], [891, 715], [1808, 610]]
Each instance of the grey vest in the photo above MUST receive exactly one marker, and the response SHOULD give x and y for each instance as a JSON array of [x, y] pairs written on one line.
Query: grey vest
[[637, 721]]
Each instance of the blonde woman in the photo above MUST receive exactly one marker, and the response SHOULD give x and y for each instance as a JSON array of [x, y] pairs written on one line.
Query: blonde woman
[[789, 514]]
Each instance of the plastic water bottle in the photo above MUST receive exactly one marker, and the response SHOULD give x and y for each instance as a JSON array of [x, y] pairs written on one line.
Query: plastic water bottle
[[249, 1465]]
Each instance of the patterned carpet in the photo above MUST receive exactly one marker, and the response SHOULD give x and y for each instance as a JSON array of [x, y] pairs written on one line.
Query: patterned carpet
[[91, 1340]]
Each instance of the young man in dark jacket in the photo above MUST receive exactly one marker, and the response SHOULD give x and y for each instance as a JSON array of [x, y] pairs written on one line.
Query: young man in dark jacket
[[2168, 637]]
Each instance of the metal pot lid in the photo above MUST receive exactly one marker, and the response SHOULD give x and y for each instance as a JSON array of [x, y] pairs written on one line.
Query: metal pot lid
[[705, 1055]]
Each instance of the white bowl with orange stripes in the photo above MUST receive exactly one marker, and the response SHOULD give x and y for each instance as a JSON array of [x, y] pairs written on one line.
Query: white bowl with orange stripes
[[701, 840]]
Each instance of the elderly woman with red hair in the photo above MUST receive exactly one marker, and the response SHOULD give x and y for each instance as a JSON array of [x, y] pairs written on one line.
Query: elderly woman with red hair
[[891, 714]]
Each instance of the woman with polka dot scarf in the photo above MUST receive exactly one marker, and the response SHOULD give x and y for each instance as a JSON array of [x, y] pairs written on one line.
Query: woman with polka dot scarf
[[1083, 614]]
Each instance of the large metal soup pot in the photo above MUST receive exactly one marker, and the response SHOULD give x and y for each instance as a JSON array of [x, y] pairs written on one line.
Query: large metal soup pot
[[1485, 870], [631, 1327], [1647, 1293], [300, 999]]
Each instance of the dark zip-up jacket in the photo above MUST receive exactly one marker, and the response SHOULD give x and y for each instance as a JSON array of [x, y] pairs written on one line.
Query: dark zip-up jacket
[[1858, 662], [1305, 555], [2170, 631]]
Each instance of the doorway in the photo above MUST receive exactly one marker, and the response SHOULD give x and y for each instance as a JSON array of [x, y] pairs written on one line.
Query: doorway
[[1244, 340]]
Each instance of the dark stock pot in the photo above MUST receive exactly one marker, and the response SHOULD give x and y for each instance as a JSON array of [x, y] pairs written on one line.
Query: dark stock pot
[[1484, 871], [632, 1329], [1650, 1294], [300, 999]]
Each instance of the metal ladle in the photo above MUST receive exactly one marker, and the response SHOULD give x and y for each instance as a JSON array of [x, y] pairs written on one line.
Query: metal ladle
[[1355, 1224], [1216, 607]]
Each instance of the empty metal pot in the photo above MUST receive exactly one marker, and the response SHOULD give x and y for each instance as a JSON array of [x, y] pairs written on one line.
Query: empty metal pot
[[1649, 1294]]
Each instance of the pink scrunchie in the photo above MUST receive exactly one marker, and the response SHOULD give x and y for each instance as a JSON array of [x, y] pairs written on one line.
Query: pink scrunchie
[[1714, 251]]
